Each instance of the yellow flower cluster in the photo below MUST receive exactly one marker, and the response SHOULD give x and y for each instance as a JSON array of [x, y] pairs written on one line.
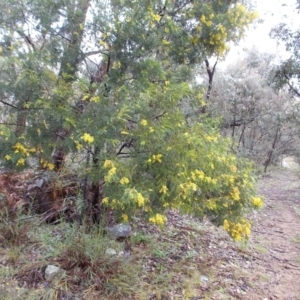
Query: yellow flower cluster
[[196, 175], [23, 151], [186, 188], [110, 174], [210, 180], [46, 165], [105, 200], [78, 145], [211, 204], [238, 231], [158, 219], [218, 38], [108, 164], [153, 16], [88, 138], [140, 199], [95, 99], [19, 148], [124, 180], [227, 179], [163, 189], [210, 138], [238, 11], [155, 158], [125, 217], [240, 17], [257, 202], [199, 174], [116, 65], [233, 169], [235, 194], [194, 40], [85, 97], [135, 197], [144, 122], [21, 162], [206, 22]]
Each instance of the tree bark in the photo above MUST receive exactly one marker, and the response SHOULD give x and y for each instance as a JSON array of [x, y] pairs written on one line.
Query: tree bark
[[69, 63], [21, 122], [72, 53], [270, 152], [210, 73]]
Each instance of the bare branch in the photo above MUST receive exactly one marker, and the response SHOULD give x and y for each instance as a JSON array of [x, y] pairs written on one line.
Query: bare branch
[[6, 103], [125, 145], [26, 38], [290, 85]]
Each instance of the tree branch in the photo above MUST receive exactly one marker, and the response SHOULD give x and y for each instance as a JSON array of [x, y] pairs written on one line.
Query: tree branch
[[26, 38], [290, 85], [158, 116], [127, 144], [6, 103]]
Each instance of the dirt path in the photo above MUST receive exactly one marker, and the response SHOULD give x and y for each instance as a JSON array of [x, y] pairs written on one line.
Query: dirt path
[[276, 239]]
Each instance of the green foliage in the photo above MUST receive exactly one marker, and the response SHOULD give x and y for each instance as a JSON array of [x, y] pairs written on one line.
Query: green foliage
[[127, 122], [286, 74], [258, 118]]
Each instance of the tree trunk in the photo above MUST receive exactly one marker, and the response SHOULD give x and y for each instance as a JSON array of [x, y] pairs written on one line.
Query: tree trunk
[[21, 122], [270, 152], [72, 53], [69, 64]]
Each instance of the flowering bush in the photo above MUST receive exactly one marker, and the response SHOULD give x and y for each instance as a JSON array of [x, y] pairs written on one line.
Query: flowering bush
[[188, 168], [133, 120]]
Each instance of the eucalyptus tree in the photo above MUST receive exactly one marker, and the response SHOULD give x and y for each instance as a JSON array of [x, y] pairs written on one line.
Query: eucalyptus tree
[[287, 73], [256, 116], [109, 79]]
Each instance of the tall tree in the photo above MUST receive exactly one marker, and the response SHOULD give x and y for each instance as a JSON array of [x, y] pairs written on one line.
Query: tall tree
[[287, 73]]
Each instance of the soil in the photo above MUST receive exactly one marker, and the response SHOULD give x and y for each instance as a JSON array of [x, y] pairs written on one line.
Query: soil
[[276, 239]]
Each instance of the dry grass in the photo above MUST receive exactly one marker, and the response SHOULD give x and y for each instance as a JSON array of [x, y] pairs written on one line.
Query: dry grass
[[185, 260]]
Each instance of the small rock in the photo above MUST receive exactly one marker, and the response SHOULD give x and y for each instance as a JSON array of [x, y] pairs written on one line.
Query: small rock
[[204, 278], [51, 271], [110, 252], [119, 231], [39, 183]]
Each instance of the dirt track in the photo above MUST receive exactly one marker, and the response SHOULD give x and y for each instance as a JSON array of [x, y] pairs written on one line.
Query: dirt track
[[276, 239]]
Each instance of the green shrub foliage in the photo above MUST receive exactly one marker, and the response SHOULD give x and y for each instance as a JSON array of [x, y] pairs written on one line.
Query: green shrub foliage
[[111, 82]]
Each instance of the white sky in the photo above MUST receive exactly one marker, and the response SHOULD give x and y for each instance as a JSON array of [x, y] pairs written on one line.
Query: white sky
[[271, 13]]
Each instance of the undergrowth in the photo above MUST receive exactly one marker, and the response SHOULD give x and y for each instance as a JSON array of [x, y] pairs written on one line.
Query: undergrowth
[[167, 263]]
